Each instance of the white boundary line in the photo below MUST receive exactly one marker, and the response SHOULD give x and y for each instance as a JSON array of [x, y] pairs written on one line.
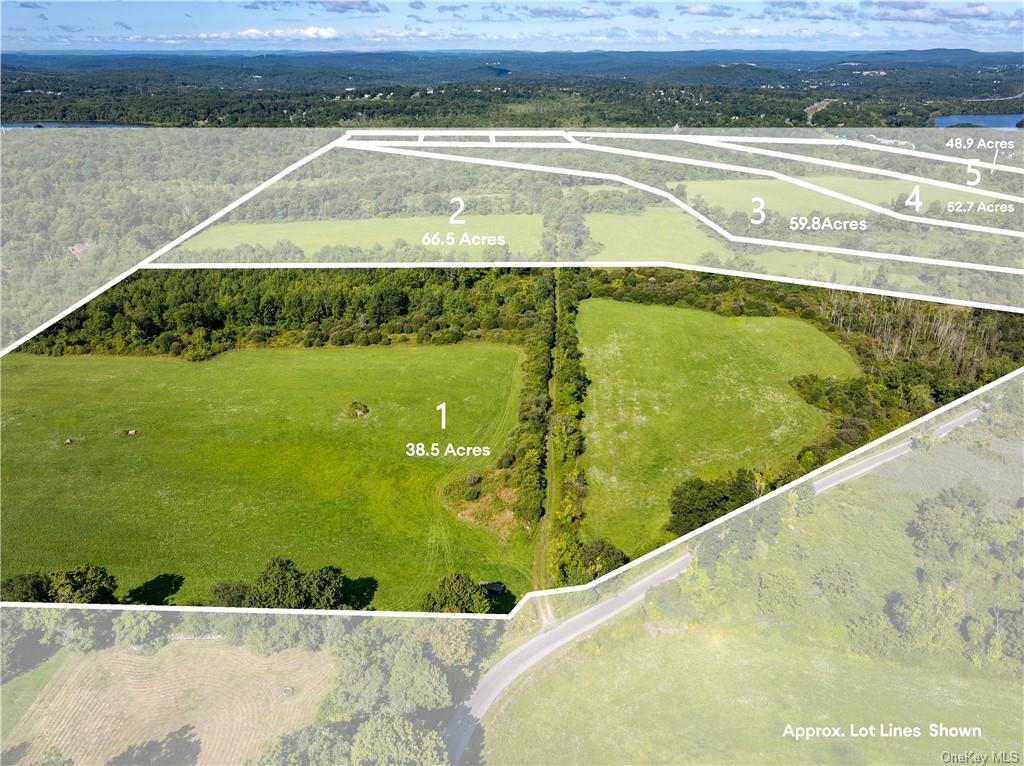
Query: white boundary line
[[172, 244], [569, 136], [854, 143], [738, 143], [169, 265], [808, 477], [975, 190], [824, 191], [148, 263], [492, 134], [730, 168], [710, 223]]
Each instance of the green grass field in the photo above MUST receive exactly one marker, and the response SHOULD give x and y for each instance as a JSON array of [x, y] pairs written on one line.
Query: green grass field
[[251, 455], [724, 696], [677, 393], [718, 684], [21, 691], [669, 234], [788, 199], [522, 233]]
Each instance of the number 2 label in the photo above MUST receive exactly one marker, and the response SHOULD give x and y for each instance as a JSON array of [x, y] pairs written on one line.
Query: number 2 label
[[460, 205]]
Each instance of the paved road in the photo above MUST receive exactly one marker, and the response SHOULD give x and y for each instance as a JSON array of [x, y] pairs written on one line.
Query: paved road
[[463, 724], [460, 729], [891, 453]]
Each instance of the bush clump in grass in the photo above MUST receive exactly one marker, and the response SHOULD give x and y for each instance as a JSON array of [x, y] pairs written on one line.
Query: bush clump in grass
[[357, 410], [473, 493]]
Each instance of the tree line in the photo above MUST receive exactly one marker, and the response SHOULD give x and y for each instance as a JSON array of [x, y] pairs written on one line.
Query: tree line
[[908, 97], [914, 356]]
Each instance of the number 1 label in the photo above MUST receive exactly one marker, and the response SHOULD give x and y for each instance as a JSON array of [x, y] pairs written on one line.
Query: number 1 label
[[443, 409]]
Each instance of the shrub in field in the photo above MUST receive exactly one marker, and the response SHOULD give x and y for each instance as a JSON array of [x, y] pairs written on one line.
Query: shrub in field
[[357, 409], [456, 593]]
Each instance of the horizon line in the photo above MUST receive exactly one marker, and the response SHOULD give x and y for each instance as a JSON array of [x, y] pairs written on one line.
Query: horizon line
[[640, 51]]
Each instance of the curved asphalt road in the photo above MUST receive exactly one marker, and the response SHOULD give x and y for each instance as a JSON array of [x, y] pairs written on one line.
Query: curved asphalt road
[[461, 727]]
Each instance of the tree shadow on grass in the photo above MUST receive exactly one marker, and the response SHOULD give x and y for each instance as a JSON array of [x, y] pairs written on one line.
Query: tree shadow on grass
[[13, 755], [502, 603], [157, 591], [178, 748], [24, 655], [359, 591]]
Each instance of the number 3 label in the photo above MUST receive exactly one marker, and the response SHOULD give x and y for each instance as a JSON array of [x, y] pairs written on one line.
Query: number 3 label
[[759, 214]]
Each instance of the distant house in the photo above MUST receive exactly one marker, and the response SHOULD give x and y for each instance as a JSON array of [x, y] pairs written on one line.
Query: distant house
[[493, 587]]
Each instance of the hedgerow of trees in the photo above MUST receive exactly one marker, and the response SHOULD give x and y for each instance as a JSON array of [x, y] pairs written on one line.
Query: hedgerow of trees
[[914, 356]]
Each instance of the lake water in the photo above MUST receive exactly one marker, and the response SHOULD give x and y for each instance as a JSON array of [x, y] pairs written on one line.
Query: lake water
[[1001, 121]]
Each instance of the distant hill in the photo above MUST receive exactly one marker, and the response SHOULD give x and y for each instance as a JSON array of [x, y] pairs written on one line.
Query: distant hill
[[738, 68]]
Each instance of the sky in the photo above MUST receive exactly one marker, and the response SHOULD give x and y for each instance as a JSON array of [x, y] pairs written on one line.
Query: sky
[[368, 25]]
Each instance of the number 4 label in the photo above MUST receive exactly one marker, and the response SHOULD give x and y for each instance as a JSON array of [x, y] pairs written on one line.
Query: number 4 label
[[914, 199]]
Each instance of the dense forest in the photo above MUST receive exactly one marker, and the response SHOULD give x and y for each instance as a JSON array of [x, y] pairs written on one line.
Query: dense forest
[[692, 89], [914, 356]]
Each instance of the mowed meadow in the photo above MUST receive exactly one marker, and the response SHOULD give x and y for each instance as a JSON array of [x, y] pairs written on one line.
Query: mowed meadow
[[251, 455], [522, 232], [677, 393]]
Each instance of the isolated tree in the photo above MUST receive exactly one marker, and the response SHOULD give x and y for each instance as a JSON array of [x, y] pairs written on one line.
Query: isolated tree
[[280, 585], [456, 593], [89, 584], [602, 557]]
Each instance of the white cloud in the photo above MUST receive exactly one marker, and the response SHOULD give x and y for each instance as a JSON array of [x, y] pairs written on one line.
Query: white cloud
[[293, 33], [706, 10]]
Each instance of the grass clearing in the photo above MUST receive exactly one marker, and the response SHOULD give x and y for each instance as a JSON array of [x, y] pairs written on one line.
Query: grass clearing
[[522, 232], [678, 393], [717, 685], [21, 691], [724, 696], [99, 704], [251, 455], [667, 234], [788, 199]]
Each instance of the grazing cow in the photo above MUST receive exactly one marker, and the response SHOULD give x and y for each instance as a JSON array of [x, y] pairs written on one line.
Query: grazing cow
[[132, 432]]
